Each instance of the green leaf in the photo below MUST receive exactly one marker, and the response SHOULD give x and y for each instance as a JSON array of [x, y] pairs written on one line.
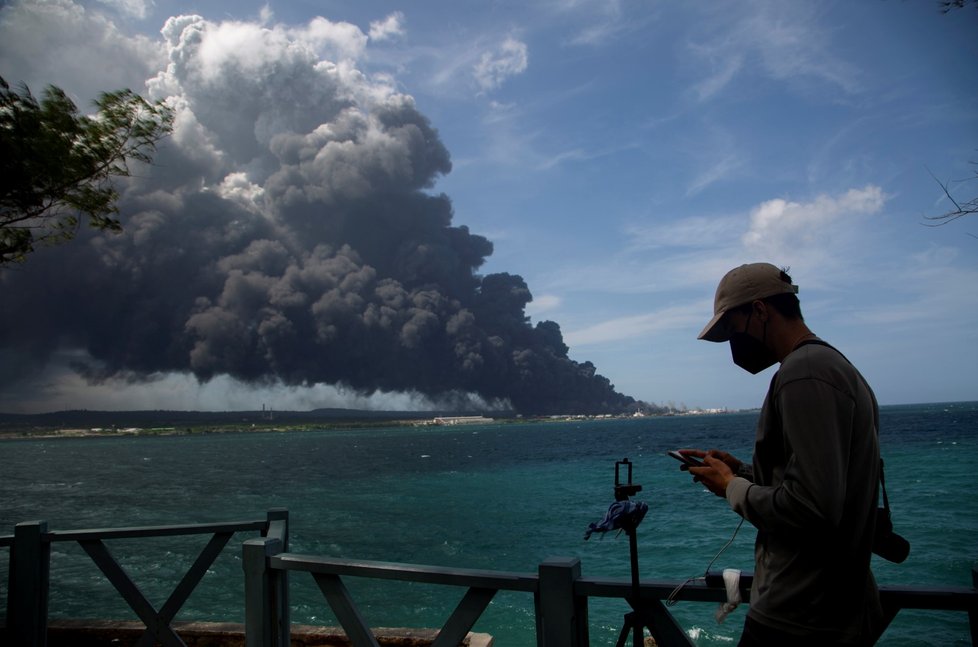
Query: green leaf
[[57, 165]]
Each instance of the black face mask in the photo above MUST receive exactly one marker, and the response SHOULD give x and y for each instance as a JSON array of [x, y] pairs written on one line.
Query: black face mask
[[750, 353]]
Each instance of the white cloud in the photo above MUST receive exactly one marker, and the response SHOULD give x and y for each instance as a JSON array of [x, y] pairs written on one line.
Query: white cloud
[[688, 255], [135, 8], [723, 72], [542, 304], [779, 40], [508, 59], [791, 44], [80, 50], [685, 317], [195, 140], [681, 260], [389, 28], [556, 159], [244, 45], [691, 232], [601, 20], [454, 66], [253, 50], [930, 282], [339, 40], [719, 171], [237, 85], [238, 188], [780, 226]]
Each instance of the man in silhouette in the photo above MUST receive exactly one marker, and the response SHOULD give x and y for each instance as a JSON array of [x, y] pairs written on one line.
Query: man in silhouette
[[811, 488]]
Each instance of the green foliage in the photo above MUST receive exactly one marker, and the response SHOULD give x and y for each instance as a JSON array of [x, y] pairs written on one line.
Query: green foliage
[[56, 165]]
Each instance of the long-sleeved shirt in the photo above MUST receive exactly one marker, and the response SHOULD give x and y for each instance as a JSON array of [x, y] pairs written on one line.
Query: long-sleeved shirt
[[813, 498]]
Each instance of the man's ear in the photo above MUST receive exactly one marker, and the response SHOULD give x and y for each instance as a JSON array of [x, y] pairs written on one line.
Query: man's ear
[[760, 310]]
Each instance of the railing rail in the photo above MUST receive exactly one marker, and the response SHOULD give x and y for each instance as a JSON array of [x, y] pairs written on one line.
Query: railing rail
[[138, 532], [499, 580], [30, 564]]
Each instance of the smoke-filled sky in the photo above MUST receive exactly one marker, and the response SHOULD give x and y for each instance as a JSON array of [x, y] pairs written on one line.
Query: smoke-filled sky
[[361, 201]]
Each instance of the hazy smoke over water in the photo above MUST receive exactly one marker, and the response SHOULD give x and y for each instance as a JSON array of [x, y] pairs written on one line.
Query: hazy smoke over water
[[286, 234]]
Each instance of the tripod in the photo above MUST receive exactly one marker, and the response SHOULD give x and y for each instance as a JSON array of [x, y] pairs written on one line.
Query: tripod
[[650, 614]]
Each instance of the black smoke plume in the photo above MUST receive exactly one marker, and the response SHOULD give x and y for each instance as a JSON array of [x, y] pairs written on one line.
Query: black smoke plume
[[286, 233]]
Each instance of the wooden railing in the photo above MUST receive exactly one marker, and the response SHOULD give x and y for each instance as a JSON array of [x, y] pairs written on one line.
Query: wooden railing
[[560, 594], [30, 564]]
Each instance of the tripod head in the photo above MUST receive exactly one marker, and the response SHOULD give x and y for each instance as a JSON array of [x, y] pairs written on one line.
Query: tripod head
[[623, 490]]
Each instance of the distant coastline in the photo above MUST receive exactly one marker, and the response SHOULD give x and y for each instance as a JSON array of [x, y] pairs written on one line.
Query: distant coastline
[[95, 424], [100, 424]]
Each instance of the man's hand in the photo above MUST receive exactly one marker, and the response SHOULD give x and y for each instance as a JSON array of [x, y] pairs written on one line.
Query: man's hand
[[717, 472]]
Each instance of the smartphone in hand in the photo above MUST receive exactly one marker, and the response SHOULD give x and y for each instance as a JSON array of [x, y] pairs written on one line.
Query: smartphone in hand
[[688, 461]]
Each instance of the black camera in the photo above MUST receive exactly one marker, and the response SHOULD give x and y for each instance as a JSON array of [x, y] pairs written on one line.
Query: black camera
[[886, 543]]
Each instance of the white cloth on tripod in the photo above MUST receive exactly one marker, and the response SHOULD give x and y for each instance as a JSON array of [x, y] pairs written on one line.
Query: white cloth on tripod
[[731, 581]]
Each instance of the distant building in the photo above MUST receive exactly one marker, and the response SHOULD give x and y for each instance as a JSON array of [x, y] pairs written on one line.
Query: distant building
[[462, 420]]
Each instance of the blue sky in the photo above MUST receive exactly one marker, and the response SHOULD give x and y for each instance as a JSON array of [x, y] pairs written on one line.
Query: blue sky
[[621, 156]]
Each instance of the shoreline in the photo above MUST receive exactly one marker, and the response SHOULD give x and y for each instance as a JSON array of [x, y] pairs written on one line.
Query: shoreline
[[82, 424], [57, 433]]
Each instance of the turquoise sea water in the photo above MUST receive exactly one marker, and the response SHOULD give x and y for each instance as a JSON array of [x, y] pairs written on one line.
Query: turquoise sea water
[[501, 496]]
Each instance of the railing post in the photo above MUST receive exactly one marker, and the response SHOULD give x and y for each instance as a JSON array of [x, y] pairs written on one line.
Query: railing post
[[561, 616], [27, 597], [266, 600], [278, 526], [973, 611]]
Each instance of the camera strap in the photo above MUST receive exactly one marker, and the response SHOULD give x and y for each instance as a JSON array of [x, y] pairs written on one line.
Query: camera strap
[[886, 501]]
